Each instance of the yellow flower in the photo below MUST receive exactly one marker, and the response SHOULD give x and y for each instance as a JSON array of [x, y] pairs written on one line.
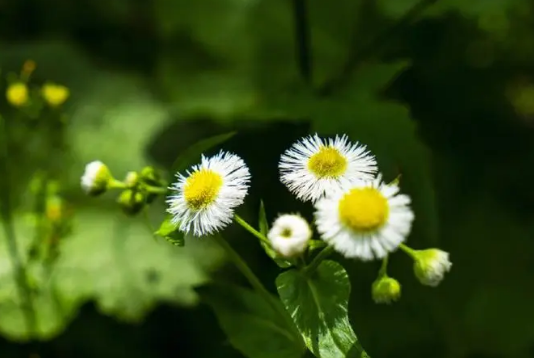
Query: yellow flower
[[54, 94], [17, 94]]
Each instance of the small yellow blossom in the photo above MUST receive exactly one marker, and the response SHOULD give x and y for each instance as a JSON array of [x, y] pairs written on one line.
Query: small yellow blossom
[[54, 94], [17, 94]]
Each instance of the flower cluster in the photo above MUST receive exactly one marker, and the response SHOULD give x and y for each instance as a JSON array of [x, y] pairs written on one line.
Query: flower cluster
[[138, 188], [357, 213], [19, 94]]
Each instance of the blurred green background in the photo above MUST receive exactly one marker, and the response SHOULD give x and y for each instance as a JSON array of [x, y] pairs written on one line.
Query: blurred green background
[[442, 91]]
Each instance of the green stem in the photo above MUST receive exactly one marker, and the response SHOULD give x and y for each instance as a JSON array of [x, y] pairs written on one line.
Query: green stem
[[411, 252], [19, 271], [155, 189], [250, 229], [116, 184], [327, 251], [384, 267], [253, 279]]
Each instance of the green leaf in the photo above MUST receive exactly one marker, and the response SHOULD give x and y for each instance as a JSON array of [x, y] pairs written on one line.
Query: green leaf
[[319, 304], [193, 153], [169, 231], [264, 223], [109, 259], [264, 230], [251, 324]]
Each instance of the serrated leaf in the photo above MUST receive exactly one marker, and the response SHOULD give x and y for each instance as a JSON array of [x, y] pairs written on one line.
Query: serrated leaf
[[251, 324], [169, 231], [319, 305], [193, 153], [264, 230]]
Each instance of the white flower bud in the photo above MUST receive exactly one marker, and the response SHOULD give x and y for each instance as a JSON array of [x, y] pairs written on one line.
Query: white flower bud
[[96, 178], [431, 265], [290, 235]]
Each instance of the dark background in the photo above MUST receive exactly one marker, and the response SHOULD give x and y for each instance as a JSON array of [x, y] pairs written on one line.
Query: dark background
[[441, 91]]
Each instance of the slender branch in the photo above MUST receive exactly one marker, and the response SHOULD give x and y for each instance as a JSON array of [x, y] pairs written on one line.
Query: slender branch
[[19, 271], [253, 279], [327, 251], [302, 39], [384, 267], [374, 45], [154, 189], [250, 229], [408, 250]]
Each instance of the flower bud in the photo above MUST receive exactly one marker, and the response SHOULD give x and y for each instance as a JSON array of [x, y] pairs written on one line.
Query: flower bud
[[131, 180], [96, 178], [131, 201], [17, 94], [386, 290], [150, 176], [431, 265], [290, 235]]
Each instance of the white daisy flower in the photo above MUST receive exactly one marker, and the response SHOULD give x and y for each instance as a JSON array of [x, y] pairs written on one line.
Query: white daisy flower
[[96, 178], [289, 235], [431, 265], [366, 220], [206, 196], [313, 167]]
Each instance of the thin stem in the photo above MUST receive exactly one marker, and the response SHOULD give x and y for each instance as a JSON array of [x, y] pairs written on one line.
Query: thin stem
[[302, 39], [384, 267], [327, 251], [411, 252], [250, 229], [19, 271], [253, 279], [358, 56], [116, 184], [155, 189]]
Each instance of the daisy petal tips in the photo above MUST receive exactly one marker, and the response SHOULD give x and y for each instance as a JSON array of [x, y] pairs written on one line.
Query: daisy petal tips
[[313, 166], [366, 220], [204, 199]]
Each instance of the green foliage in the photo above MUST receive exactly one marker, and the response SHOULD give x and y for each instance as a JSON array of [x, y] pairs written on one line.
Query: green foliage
[[192, 154], [318, 304], [113, 262], [251, 324], [169, 231]]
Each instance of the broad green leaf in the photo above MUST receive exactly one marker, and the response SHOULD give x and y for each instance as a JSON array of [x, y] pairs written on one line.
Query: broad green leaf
[[264, 230], [319, 305], [169, 231], [251, 324], [109, 259], [193, 153]]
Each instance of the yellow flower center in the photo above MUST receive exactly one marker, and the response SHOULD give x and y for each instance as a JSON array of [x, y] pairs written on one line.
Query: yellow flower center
[[363, 209], [327, 163], [286, 233], [55, 95], [17, 94], [201, 188]]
